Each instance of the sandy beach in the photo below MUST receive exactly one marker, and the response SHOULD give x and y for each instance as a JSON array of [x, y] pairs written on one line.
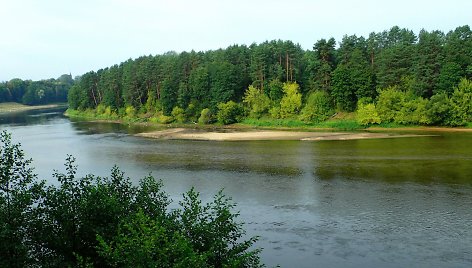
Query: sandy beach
[[251, 135]]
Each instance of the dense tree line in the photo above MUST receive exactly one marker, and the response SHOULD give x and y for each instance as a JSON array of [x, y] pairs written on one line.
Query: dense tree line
[[278, 79], [36, 92], [108, 222]]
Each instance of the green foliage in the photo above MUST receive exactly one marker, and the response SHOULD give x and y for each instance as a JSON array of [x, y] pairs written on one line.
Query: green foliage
[[178, 114], [151, 102], [367, 114], [291, 101], [317, 108], [353, 77], [130, 111], [229, 113], [108, 222], [325, 55], [428, 63], [276, 91], [343, 124], [161, 119], [450, 76], [18, 193], [73, 97], [418, 66], [343, 89], [258, 103], [144, 242], [461, 104], [191, 113], [438, 109], [100, 109], [212, 229], [389, 103], [275, 112], [36, 92], [413, 112], [205, 117], [271, 122]]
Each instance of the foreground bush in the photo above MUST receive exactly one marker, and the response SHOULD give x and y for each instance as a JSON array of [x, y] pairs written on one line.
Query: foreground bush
[[108, 222]]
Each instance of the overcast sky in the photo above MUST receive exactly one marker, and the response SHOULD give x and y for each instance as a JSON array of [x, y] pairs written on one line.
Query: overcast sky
[[42, 39]]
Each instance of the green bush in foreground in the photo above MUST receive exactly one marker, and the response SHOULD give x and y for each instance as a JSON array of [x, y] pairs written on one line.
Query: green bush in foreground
[[108, 222]]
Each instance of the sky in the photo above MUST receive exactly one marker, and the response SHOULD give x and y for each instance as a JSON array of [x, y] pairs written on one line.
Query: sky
[[41, 39]]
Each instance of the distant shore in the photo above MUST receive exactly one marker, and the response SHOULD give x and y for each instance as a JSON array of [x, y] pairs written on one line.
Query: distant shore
[[252, 135], [245, 132], [13, 107]]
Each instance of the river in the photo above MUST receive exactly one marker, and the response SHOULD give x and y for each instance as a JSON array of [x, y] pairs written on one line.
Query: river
[[361, 203]]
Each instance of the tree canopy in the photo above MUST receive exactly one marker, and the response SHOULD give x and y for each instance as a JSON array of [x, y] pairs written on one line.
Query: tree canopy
[[355, 68], [36, 92]]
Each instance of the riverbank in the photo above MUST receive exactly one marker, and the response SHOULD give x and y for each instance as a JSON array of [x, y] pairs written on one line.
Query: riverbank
[[343, 128], [254, 134], [13, 107]]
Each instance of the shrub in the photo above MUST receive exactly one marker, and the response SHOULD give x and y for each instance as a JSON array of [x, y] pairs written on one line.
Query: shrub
[[413, 112], [461, 104], [367, 114], [161, 119], [205, 116], [318, 107], [191, 113], [108, 112], [100, 109], [389, 103], [178, 114], [438, 109], [130, 111], [257, 102], [229, 112], [291, 101], [275, 112]]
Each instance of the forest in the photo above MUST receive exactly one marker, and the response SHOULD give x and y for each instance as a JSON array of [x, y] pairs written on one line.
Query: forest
[[394, 76], [36, 92]]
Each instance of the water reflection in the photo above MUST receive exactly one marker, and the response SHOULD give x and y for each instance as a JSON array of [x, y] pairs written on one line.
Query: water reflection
[[31, 117], [366, 203], [422, 160]]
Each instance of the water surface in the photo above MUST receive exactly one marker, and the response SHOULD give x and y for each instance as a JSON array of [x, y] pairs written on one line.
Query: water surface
[[366, 203]]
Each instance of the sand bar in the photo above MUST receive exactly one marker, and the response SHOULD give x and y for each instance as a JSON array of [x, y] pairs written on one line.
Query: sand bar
[[12, 107], [251, 135]]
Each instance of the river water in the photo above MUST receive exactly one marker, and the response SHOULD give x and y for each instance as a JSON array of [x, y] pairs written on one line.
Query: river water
[[366, 203]]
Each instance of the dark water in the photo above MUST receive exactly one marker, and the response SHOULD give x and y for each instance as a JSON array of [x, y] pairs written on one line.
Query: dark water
[[367, 203]]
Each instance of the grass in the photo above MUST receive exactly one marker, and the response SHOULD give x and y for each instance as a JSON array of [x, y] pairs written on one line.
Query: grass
[[345, 124], [340, 124], [267, 122]]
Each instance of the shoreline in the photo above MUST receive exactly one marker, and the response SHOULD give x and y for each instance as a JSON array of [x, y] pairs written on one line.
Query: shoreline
[[266, 135], [13, 107], [246, 132]]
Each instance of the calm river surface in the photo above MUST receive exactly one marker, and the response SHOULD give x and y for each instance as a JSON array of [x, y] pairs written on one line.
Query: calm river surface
[[366, 203]]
